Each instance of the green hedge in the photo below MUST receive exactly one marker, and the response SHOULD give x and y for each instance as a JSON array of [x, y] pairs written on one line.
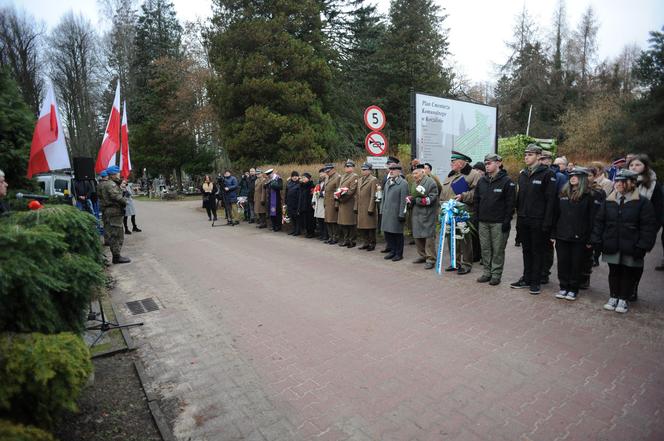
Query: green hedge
[[50, 266], [18, 432], [41, 376], [514, 146]]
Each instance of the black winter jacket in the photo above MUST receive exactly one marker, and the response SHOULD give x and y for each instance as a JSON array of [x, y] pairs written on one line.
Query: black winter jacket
[[306, 193], [536, 197], [292, 198], [494, 198], [630, 229], [574, 220]]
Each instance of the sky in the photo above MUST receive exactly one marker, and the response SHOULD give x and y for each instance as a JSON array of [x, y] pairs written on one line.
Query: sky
[[478, 29]]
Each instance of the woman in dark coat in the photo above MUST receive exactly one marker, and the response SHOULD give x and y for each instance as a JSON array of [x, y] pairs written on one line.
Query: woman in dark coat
[[575, 211], [305, 211], [209, 190], [292, 198], [625, 230], [273, 187]]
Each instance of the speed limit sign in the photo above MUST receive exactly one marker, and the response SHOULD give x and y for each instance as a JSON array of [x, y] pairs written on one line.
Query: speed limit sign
[[374, 118]]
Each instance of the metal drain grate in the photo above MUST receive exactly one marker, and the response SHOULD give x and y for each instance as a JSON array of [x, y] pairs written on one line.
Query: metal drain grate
[[142, 306]]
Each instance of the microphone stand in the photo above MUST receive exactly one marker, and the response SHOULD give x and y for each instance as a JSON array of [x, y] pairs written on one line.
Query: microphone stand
[[104, 325]]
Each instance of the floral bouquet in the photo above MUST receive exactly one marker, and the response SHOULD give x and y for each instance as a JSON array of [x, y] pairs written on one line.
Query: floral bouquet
[[455, 221], [340, 192], [241, 203], [416, 192], [284, 215]]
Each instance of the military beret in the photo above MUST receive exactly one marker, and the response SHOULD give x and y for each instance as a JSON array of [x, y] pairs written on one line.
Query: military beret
[[493, 157], [103, 173], [625, 174], [533, 148], [367, 166], [459, 155], [113, 170]]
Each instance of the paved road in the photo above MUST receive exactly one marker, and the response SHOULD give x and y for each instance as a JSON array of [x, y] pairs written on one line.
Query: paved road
[[262, 336]]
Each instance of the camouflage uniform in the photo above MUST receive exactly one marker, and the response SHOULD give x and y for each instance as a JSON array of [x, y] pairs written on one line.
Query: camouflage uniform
[[112, 205]]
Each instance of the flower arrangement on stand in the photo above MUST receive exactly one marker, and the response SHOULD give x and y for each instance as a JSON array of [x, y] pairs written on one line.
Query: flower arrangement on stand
[[455, 222]]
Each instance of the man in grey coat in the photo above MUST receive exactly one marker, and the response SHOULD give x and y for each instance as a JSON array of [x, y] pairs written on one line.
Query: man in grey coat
[[424, 216], [393, 210]]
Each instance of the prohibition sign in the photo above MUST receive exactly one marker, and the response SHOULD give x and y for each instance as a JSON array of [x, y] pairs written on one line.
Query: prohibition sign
[[375, 143], [374, 118]]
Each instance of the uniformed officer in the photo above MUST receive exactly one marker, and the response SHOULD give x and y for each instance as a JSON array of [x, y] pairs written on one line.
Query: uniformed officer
[[461, 169], [535, 204], [365, 208], [113, 205], [346, 218], [331, 213]]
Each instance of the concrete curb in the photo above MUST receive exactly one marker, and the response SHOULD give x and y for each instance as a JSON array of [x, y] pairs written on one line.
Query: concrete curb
[[153, 404]]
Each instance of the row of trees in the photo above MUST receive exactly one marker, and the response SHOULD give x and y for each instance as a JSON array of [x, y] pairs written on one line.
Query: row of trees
[[287, 81]]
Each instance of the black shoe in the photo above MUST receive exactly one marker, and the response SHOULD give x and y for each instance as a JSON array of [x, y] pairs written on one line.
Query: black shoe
[[450, 268], [461, 271], [120, 259], [420, 260], [261, 226], [310, 236], [136, 229], [428, 265], [363, 247], [397, 258], [520, 284], [371, 247], [483, 279], [332, 242], [494, 282], [534, 290], [386, 250], [127, 232], [544, 280], [344, 244], [351, 244], [389, 256]]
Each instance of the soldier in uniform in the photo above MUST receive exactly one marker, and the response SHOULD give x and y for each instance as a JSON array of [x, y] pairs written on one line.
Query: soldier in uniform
[[113, 205], [346, 218], [365, 208], [424, 217], [461, 169], [103, 177], [260, 199], [331, 213]]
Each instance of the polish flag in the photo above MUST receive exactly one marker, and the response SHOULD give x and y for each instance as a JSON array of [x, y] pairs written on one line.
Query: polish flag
[[125, 159], [111, 143], [48, 150]]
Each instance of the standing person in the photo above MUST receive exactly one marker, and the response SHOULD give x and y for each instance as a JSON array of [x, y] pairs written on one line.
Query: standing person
[[535, 203], [252, 193], [292, 198], [574, 214], [209, 190], [465, 190], [318, 200], [331, 210], [424, 217], [393, 212], [428, 169], [625, 230], [130, 210], [260, 199], [103, 177], [244, 193], [346, 218], [305, 210], [273, 187], [365, 208], [84, 190], [113, 205], [4, 208], [230, 196], [617, 165], [600, 179], [648, 187], [494, 205], [561, 179]]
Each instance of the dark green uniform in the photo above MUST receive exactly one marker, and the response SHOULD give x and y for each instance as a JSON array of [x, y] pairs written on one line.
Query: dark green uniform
[[112, 205]]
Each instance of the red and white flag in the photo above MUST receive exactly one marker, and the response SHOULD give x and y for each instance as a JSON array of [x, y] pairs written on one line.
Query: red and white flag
[[111, 143], [48, 150], [125, 159]]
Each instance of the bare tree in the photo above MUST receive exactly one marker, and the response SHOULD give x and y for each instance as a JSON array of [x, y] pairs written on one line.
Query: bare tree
[[20, 43], [584, 46], [524, 33], [75, 71], [118, 44]]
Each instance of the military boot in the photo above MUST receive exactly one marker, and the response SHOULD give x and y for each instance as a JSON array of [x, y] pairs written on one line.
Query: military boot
[[119, 259]]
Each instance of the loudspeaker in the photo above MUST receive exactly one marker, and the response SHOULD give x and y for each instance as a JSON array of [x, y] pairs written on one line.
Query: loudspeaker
[[84, 168]]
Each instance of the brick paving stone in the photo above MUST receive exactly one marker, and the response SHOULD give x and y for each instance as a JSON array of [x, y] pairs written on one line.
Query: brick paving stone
[[274, 345]]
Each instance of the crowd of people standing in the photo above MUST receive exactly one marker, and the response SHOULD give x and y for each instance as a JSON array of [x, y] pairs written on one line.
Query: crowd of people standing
[[574, 213]]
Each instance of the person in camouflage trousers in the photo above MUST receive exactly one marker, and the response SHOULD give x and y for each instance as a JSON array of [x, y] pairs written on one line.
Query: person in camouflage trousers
[[112, 206]]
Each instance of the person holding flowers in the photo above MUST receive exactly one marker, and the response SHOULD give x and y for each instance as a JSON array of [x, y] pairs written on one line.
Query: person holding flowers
[[393, 210], [424, 200], [460, 185], [366, 207], [345, 199]]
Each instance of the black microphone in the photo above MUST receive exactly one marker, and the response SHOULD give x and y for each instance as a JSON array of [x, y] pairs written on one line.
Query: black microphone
[[36, 197]]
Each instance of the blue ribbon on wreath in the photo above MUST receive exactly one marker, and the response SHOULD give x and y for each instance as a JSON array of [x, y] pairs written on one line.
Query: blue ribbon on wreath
[[451, 213]]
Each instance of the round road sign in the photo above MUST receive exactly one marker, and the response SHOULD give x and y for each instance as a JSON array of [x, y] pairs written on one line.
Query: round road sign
[[374, 118], [376, 143]]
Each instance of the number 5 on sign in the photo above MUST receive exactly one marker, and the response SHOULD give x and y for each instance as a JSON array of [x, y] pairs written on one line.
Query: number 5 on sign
[[374, 118]]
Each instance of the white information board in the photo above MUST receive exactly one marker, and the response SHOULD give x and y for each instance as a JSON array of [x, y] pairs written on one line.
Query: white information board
[[443, 125]]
